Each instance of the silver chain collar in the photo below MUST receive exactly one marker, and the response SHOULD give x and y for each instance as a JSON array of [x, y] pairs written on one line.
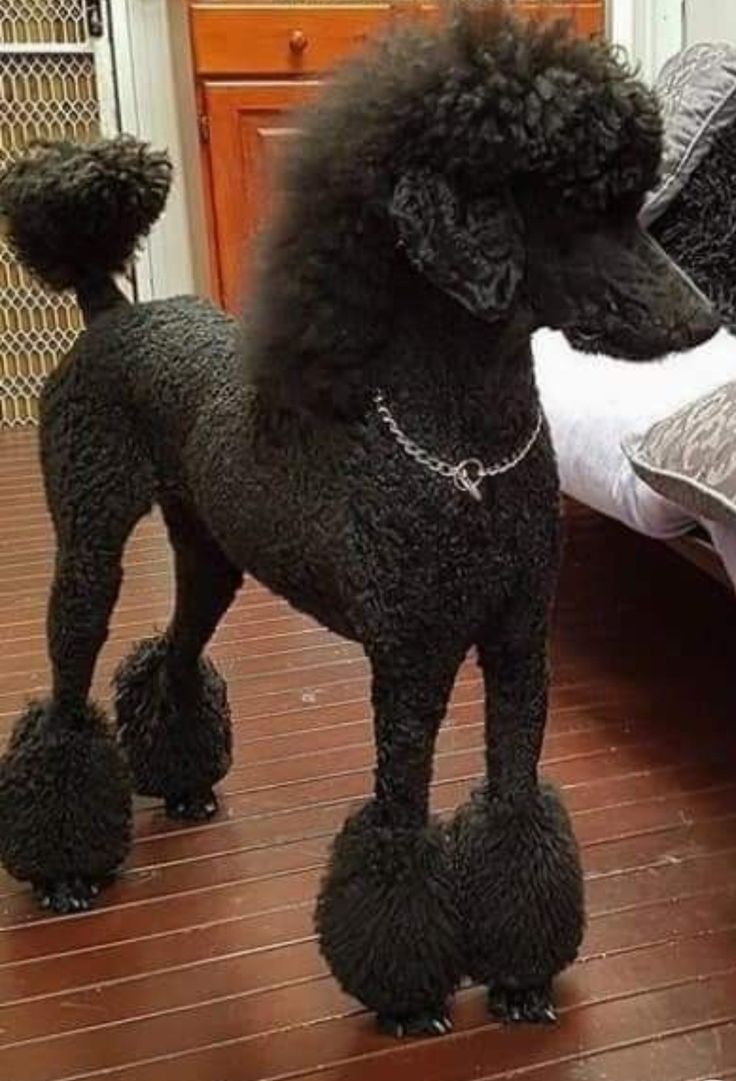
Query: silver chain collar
[[468, 475]]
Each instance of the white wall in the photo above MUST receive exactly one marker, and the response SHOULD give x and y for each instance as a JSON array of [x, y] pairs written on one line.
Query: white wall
[[710, 20], [653, 30]]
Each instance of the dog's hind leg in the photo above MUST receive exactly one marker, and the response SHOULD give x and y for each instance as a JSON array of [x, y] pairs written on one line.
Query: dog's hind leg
[[65, 794], [517, 865], [171, 703], [387, 916]]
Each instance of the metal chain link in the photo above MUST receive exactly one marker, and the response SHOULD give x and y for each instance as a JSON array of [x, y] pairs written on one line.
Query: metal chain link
[[467, 475]]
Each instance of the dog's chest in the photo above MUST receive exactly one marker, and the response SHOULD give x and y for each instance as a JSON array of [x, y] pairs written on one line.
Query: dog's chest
[[359, 533], [423, 537]]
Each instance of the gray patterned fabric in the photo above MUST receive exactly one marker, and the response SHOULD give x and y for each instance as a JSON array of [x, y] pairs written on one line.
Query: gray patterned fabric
[[697, 91], [690, 457]]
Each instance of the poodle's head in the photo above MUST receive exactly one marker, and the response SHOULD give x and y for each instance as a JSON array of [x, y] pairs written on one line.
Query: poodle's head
[[503, 160], [523, 179]]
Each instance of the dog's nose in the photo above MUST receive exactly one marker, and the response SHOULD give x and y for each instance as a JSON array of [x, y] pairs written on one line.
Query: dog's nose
[[702, 327]]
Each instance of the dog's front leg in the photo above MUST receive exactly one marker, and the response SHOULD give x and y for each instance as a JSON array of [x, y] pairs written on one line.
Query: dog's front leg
[[517, 864], [387, 916]]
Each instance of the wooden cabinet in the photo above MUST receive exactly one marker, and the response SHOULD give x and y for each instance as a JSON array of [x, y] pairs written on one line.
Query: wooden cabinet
[[248, 124], [254, 64]]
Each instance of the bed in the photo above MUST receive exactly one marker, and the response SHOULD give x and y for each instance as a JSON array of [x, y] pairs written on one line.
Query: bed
[[595, 404]]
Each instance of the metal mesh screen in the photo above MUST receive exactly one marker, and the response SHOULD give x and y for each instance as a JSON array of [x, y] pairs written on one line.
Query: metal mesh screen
[[43, 95], [47, 22]]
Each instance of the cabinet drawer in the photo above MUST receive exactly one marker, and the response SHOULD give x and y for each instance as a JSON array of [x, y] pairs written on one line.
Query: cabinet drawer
[[306, 39], [587, 16], [278, 41]]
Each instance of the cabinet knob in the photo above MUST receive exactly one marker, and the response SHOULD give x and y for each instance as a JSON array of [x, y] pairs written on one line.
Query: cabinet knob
[[298, 42]]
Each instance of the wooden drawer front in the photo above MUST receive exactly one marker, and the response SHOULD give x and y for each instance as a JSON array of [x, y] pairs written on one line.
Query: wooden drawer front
[[588, 18], [310, 39], [294, 40]]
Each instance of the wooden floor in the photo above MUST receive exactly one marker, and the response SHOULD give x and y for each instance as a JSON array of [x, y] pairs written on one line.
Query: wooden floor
[[200, 964]]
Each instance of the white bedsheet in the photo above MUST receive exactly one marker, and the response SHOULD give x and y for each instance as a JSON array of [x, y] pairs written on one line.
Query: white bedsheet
[[593, 402]]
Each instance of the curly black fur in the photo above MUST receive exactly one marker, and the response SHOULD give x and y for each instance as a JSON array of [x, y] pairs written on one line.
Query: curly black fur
[[122, 187], [520, 888], [387, 918], [77, 827], [699, 230], [454, 189], [517, 137], [176, 734]]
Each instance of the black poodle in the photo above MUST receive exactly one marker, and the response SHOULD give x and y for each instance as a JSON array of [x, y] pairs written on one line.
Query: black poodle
[[371, 447]]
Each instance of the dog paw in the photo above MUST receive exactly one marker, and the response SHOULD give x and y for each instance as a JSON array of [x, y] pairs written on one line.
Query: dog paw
[[192, 806], [531, 1006], [430, 1023], [66, 896]]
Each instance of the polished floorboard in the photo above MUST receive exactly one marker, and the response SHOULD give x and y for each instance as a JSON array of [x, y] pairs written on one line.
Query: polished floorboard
[[199, 964]]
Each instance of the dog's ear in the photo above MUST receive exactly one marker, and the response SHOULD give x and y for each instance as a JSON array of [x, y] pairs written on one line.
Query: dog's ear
[[474, 252]]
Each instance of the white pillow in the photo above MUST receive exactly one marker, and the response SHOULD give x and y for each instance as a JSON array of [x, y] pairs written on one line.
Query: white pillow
[[594, 402]]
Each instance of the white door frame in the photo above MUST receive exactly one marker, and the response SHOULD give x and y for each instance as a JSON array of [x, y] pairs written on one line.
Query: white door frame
[[651, 31], [156, 102]]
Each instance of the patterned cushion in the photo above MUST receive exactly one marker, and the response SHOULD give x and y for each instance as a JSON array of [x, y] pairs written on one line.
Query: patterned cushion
[[697, 92], [690, 456]]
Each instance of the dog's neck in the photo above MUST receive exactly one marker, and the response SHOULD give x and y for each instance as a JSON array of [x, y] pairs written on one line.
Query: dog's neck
[[453, 377]]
